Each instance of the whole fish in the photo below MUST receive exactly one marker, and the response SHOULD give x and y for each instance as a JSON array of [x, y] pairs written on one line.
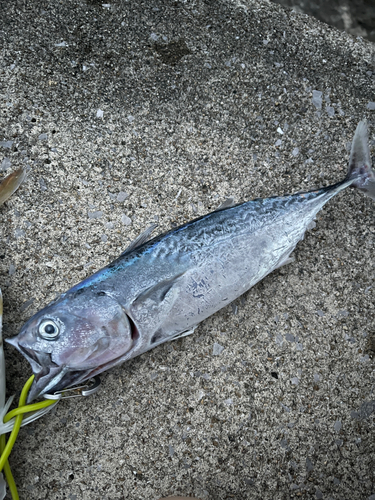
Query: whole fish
[[161, 289]]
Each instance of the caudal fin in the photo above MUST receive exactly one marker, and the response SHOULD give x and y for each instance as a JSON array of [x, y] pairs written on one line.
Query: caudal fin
[[360, 162]]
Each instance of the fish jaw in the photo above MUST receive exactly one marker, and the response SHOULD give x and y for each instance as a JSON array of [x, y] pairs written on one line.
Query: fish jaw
[[56, 380], [49, 377], [42, 384], [47, 373]]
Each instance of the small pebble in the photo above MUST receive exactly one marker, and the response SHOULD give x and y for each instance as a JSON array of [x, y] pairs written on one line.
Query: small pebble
[[5, 164], [126, 220], [26, 304], [279, 339], [122, 196], [19, 233], [217, 349], [95, 215], [317, 99], [42, 184]]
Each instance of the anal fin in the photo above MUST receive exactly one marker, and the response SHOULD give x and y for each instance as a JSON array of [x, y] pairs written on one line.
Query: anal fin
[[184, 334], [285, 261]]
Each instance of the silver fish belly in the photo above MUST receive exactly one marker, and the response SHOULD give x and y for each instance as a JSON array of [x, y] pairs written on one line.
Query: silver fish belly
[[161, 289]]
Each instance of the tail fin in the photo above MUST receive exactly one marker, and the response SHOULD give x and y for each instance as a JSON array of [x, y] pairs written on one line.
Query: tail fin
[[360, 162]]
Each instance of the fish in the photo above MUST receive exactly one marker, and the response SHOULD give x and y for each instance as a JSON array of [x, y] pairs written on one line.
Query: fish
[[159, 289]]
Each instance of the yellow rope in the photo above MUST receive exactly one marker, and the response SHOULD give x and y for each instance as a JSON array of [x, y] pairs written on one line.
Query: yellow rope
[[6, 448], [8, 472]]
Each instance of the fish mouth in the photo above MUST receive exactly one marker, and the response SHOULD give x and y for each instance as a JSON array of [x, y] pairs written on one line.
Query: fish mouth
[[49, 377], [39, 361], [36, 359], [47, 373]]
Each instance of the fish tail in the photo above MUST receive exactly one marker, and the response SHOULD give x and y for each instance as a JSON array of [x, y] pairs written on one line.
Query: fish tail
[[360, 171]]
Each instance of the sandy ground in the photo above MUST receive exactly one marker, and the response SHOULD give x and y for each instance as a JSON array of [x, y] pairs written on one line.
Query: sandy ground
[[134, 112]]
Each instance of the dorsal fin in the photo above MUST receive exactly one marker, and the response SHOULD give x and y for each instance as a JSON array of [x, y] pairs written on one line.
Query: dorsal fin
[[142, 238], [228, 203]]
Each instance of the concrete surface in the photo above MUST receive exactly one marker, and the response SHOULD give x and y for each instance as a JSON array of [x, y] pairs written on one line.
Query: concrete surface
[[178, 104]]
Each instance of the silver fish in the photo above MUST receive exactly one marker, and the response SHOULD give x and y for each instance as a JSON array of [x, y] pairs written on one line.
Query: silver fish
[[161, 289]]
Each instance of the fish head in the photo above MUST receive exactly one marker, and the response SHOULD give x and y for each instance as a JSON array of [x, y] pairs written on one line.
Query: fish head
[[74, 338]]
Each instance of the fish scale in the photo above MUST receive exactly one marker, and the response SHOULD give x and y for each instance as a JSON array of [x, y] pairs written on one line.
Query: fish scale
[[160, 289]]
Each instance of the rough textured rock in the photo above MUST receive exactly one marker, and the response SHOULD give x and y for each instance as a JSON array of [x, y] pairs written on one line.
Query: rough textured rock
[[180, 104]]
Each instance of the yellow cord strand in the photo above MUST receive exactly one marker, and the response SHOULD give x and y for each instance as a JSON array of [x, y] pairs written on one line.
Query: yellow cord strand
[[17, 414], [8, 472], [28, 408], [17, 425]]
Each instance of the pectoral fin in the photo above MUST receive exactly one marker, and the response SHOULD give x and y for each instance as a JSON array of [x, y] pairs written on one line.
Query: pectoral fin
[[157, 293], [153, 306]]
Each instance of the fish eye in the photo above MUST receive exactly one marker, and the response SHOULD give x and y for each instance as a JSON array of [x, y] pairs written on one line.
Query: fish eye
[[48, 329]]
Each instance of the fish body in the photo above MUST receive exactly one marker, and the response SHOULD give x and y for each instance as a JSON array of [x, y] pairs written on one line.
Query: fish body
[[161, 289]]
